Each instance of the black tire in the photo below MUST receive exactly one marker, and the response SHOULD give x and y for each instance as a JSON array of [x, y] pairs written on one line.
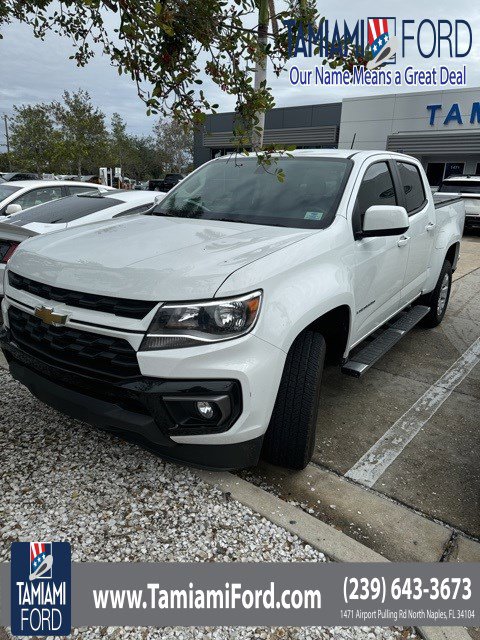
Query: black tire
[[290, 437], [433, 299]]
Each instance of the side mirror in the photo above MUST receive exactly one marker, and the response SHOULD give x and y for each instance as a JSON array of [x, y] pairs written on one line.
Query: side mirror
[[13, 208], [387, 220]]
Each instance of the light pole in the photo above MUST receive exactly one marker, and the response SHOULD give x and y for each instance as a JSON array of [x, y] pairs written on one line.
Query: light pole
[[261, 69], [7, 137]]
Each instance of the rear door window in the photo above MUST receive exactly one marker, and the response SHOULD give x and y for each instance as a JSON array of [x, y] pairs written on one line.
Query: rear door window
[[412, 186]]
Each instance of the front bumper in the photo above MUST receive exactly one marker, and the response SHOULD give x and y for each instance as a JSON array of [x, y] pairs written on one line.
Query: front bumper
[[137, 409]]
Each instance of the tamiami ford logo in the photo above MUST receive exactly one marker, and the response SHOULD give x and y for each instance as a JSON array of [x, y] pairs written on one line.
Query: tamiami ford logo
[[41, 589], [381, 42]]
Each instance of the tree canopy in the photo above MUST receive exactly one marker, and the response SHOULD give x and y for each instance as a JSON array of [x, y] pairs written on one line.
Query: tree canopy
[[169, 48], [166, 47], [71, 136]]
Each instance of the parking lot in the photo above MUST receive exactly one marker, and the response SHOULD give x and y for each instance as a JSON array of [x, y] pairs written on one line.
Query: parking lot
[[416, 411], [432, 482], [432, 440]]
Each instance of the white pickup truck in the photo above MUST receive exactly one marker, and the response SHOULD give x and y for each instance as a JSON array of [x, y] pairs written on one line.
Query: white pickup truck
[[469, 188], [201, 330]]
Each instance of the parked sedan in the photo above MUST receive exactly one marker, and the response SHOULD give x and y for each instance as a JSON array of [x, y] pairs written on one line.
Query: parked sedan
[[69, 212], [16, 196]]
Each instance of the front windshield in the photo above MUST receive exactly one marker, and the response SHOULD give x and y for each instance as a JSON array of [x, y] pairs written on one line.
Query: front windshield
[[6, 190], [240, 190]]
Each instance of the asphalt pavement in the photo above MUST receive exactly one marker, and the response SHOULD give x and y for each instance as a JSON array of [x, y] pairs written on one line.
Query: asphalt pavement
[[425, 503]]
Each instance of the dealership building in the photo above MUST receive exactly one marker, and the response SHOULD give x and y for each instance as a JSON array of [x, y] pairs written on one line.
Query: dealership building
[[441, 128]]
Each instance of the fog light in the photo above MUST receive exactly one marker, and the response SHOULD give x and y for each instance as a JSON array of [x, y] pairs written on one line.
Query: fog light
[[205, 409]]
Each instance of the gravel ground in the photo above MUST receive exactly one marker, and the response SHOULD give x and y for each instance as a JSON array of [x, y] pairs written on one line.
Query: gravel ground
[[115, 502]]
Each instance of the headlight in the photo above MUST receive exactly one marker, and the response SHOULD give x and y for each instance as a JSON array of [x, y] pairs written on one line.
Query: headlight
[[194, 323]]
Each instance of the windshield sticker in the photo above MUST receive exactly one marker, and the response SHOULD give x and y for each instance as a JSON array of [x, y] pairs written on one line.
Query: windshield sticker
[[314, 215]]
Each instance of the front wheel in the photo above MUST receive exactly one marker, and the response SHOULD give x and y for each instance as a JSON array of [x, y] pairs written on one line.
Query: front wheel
[[438, 299], [290, 437]]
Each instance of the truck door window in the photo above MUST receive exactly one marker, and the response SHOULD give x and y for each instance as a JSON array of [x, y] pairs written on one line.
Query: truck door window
[[377, 188], [413, 187]]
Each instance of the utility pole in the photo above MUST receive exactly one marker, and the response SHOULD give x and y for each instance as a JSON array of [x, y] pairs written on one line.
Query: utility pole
[[7, 137], [261, 69]]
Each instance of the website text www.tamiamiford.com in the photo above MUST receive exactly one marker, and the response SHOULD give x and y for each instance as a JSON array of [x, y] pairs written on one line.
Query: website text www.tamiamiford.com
[[233, 595]]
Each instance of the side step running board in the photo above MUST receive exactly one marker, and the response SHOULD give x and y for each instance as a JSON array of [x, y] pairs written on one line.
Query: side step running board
[[378, 347]]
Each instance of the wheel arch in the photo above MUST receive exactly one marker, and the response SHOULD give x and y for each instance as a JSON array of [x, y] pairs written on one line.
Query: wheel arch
[[452, 254], [335, 326]]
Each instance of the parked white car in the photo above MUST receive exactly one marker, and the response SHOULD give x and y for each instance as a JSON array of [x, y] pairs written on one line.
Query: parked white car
[[202, 329], [65, 213], [23, 194], [469, 188]]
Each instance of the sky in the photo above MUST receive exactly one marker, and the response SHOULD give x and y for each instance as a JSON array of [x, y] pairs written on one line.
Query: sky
[[38, 71]]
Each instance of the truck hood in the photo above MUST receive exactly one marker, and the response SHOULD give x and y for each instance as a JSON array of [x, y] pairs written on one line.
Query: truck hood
[[148, 257]]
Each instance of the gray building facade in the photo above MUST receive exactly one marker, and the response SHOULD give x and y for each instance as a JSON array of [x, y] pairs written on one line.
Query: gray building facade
[[306, 126], [441, 128]]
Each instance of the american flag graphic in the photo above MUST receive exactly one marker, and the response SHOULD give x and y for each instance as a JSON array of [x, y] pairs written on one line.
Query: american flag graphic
[[38, 554], [381, 43], [377, 28]]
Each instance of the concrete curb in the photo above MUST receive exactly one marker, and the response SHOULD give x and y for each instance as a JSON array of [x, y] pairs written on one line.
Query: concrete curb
[[333, 543]]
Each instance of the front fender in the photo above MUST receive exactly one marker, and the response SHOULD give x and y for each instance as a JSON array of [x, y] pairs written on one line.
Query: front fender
[[301, 283]]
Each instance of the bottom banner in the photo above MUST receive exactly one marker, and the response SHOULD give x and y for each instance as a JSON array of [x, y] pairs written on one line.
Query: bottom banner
[[41, 599]]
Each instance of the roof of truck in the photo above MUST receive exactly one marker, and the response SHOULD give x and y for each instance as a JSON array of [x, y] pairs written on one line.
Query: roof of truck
[[346, 153], [333, 153]]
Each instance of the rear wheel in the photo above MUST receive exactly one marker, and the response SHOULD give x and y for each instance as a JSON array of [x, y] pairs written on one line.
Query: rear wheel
[[290, 437], [438, 299]]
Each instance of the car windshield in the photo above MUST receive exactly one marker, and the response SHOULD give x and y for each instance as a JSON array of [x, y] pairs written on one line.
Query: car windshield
[[461, 186], [6, 190], [241, 190]]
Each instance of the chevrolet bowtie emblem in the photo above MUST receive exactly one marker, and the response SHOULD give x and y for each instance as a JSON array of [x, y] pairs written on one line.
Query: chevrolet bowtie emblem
[[48, 315]]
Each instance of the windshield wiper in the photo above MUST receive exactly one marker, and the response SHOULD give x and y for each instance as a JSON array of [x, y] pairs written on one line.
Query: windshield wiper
[[198, 216], [252, 221]]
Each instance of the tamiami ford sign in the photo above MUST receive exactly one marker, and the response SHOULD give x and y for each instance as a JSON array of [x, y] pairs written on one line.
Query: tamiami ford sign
[[376, 43], [452, 114]]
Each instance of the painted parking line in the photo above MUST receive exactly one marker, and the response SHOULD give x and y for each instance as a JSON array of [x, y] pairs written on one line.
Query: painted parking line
[[380, 456]]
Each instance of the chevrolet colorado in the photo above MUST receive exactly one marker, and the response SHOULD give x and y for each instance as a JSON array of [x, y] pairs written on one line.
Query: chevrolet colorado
[[201, 329]]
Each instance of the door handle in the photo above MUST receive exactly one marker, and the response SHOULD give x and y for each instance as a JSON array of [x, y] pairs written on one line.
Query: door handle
[[430, 226], [403, 241]]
